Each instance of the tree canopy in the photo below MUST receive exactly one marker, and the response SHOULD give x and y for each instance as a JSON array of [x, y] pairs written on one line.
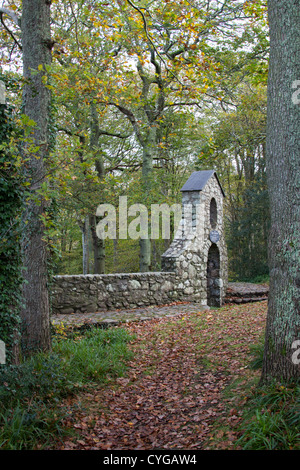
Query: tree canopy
[[139, 94]]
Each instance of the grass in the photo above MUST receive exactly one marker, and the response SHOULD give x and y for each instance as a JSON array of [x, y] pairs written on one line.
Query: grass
[[271, 419], [259, 279], [99, 355], [30, 394]]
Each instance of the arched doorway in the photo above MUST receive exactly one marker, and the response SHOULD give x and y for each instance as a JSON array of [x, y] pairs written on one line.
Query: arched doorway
[[213, 277]]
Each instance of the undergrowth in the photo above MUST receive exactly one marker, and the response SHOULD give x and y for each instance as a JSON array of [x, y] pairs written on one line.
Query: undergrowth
[[271, 420], [30, 393]]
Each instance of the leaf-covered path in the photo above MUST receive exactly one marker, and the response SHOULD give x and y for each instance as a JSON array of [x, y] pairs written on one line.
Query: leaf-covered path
[[172, 396]]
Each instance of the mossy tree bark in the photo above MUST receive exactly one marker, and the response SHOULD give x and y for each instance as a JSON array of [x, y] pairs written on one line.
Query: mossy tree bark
[[283, 161], [36, 43]]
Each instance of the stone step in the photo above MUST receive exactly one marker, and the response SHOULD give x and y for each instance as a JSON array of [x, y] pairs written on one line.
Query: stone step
[[243, 300], [239, 293]]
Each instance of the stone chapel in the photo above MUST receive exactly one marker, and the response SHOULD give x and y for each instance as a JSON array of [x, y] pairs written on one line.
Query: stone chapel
[[198, 252]]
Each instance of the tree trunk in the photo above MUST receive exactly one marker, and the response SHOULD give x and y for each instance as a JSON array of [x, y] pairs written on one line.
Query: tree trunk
[[36, 101], [115, 252], [84, 227], [98, 248], [283, 130], [147, 170], [98, 244]]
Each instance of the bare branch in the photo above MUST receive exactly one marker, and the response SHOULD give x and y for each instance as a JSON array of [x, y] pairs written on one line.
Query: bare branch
[[129, 114], [12, 14], [191, 103], [101, 132], [15, 18], [152, 43]]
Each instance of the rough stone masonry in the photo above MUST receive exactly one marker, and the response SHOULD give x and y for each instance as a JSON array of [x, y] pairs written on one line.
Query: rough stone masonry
[[194, 268]]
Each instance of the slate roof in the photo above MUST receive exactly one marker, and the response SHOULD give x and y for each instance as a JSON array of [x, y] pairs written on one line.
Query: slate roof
[[198, 180]]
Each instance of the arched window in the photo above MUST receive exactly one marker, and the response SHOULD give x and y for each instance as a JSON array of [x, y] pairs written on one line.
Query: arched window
[[213, 213]]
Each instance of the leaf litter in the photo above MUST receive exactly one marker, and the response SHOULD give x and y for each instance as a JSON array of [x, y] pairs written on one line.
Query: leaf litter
[[173, 395]]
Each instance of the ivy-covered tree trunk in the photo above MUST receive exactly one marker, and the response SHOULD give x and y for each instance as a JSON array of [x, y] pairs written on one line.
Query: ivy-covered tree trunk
[[10, 260], [283, 165], [36, 43]]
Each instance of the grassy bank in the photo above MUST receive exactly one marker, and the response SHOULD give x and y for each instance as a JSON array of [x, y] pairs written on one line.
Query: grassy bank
[[31, 394], [271, 419]]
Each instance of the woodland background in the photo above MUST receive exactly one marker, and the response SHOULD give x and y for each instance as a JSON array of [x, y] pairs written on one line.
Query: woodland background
[[142, 95], [128, 98]]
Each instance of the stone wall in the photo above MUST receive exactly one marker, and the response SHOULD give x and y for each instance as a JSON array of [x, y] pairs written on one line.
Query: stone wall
[[194, 268], [92, 293]]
